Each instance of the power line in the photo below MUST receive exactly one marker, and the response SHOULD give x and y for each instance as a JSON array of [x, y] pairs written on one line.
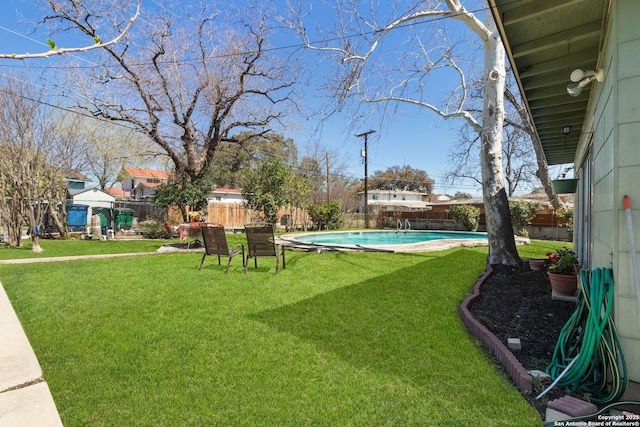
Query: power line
[[249, 52]]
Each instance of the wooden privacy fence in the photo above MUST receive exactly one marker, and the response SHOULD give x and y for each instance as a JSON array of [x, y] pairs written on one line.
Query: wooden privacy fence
[[235, 215], [540, 220]]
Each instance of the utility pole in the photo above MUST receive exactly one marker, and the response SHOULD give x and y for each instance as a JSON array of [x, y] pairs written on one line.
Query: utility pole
[[326, 156], [365, 135]]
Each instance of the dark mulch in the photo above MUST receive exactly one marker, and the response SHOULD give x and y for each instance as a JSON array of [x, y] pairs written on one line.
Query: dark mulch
[[516, 303]]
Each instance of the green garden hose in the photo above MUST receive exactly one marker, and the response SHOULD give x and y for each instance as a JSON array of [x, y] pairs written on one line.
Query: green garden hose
[[590, 337]]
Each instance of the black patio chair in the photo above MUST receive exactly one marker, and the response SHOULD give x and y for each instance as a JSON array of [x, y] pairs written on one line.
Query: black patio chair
[[215, 243], [261, 243]]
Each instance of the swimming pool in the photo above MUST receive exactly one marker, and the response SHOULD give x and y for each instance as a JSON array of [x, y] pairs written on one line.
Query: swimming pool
[[396, 241]]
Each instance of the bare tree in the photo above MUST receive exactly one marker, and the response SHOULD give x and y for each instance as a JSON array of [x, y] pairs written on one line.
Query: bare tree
[[30, 185], [101, 149], [188, 82], [519, 166], [367, 72], [519, 143], [326, 168]]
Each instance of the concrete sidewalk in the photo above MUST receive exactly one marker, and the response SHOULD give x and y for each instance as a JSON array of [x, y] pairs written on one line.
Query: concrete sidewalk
[[25, 399]]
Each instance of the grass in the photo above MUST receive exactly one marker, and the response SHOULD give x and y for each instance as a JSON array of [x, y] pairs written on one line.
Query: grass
[[349, 339], [59, 248]]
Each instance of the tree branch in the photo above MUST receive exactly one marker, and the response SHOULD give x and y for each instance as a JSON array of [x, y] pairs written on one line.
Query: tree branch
[[61, 51]]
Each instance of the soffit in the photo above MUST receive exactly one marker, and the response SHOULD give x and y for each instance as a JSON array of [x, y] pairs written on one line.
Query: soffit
[[546, 40]]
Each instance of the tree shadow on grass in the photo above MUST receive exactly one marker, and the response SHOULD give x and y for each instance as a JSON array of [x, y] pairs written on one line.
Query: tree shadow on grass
[[404, 324]]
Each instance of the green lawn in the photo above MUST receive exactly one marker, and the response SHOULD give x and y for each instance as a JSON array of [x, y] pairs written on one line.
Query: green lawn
[[335, 339], [58, 248]]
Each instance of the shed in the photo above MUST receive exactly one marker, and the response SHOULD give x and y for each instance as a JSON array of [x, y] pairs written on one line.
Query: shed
[[95, 199]]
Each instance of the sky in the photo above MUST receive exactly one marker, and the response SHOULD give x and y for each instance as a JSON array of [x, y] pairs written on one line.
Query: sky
[[412, 137]]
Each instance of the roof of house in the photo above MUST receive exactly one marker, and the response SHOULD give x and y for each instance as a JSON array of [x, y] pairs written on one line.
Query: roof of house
[[89, 192], [73, 174], [118, 192], [376, 191], [226, 190], [147, 173], [545, 42], [148, 184]]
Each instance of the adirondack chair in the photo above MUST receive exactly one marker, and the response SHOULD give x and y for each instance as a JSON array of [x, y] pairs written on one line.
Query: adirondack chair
[[261, 243], [215, 243]]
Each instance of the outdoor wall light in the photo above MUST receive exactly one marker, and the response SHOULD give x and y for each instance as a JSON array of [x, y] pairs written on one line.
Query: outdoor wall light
[[583, 78]]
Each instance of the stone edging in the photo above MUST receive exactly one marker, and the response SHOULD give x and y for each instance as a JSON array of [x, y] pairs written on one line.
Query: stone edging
[[513, 368]]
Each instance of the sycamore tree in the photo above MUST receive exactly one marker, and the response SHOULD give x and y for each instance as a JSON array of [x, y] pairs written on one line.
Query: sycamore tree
[[191, 81], [523, 156], [94, 43], [521, 121], [387, 55]]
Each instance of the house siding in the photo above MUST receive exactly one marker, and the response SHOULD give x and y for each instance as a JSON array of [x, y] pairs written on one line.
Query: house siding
[[614, 121], [627, 62]]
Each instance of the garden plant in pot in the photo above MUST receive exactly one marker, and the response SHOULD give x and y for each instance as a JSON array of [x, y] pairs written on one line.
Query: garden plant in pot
[[537, 263], [563, 271]]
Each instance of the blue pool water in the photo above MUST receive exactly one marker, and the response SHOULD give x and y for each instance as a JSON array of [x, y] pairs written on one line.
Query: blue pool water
[[384, 237]]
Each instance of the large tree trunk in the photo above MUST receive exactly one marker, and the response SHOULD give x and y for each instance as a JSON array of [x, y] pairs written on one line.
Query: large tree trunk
[[53, 213], [502, 246], [12, 217], [543, 167], [543, 174], [33, 229]]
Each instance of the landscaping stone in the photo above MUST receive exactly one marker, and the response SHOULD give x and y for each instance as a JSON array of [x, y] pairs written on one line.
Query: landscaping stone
[[514, 344], [536, 373], [568, 407]]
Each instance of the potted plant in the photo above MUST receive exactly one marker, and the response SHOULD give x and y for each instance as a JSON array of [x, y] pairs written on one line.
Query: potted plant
[[565, 185], [537, 263], [563, 271]]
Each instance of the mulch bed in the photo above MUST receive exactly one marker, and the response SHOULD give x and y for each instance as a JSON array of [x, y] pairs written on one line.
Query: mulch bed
[[516, 303]]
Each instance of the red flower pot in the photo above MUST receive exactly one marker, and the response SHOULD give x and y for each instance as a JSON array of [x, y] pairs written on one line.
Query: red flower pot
[[566, 284]]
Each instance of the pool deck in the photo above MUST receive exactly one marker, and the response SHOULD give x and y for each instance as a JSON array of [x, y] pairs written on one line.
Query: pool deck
[[290, 241]]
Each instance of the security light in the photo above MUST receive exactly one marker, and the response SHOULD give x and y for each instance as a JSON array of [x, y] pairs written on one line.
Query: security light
[[583, 78]]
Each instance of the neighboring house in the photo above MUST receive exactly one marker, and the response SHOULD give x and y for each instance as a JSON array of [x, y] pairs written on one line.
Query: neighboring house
[[393, 200], [144, 190], [141, 183], [596, 127], [75, 180], [119, 193], [225, 195]]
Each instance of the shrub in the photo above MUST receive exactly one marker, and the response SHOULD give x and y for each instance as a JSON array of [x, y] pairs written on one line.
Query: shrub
[[522, 213], [153, 230], [565, 217], [326, 216], [467, 215]]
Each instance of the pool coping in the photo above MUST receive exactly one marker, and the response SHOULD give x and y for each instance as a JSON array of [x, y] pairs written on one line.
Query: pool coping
[[289, 240]]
